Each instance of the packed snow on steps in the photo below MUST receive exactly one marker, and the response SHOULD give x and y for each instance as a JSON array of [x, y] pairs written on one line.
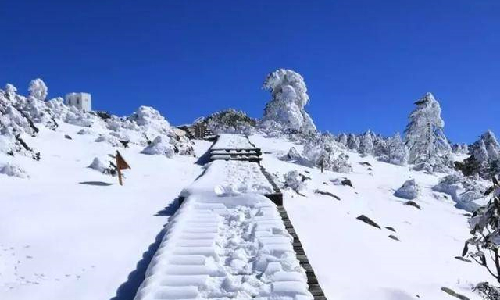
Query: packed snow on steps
[[232, 141], [64, 240], [354, 261], [225, 244]]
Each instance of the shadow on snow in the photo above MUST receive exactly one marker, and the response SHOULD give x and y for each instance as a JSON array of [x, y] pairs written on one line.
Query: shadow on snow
[[128, 289]]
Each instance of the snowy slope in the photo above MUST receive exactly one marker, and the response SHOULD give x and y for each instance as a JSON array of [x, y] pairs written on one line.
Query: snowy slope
[[60, 239], [356, 261]]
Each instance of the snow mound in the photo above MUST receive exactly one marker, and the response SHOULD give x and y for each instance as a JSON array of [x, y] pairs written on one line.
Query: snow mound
[[160, 146], [98, 165], [13, 170], [463, 191], [409, 190]]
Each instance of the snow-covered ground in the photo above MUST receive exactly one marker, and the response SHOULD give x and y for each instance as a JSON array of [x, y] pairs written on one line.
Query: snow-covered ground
[[354, 260], [70, 232]]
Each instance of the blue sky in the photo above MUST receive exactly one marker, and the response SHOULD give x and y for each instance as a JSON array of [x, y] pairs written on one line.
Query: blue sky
[[364, 62]]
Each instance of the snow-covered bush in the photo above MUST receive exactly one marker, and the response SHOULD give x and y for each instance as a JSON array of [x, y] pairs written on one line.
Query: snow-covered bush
[[295, 181], [428, 147], [160, 146], [13, 170], [38, 89], [323, 151], [342, 139], [485, 225], [463, 191], [341, 164], [229, 121], [107, 138], [353, 142], [289, 96], [409, 190], [99, 165], [366, 143], [10, 91], [397, 153]]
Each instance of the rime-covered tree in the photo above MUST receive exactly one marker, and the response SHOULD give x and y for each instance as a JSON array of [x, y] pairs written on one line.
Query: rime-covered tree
[[10, 91], [424, 135], [484, 159], [342, 139], [397, 153], [288, 99], [366, 143], [352, 142], [38, 89]]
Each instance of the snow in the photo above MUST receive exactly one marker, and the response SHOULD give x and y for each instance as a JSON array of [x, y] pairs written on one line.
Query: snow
[[230, 245], [355, 261], [69, 232], [232, 141], [232, 177]]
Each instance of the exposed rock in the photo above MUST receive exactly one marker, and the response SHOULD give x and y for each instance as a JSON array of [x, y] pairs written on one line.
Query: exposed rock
[[454, 294], [412, 203], [462, 259], [365, 163], [394, 237], [368, 221], [68, 137], [325, 193], [390, 228], [409, 190]]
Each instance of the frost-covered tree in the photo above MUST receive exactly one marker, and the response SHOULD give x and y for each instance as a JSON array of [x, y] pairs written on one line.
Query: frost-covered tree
[[10, 91], [352, 142], [424, 135], [288, 99], [397, 153], [229, 121], [38, 89], [484, 159], [484, 245], [342, 139], [366, 143]]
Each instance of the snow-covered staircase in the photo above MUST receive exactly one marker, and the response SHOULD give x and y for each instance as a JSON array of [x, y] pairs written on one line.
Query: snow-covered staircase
[[227, 243]]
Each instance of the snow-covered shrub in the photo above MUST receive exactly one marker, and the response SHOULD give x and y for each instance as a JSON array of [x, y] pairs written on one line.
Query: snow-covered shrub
[[366, 143], [229, 121], [460, 149], [10, 91], [342, 139], [409, 190], [485, 225], [396, 151], [293, 155], [13, 170], [295, 181], [463, 191], [323, 151], [352, 142], [159, 146], [288, 99], [341, 164], [107, 138], [38, 89], [99, 165], [484, 159], [428, 146]]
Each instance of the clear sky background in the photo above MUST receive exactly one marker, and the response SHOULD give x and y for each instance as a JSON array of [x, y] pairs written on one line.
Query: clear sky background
[[364, 62]]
